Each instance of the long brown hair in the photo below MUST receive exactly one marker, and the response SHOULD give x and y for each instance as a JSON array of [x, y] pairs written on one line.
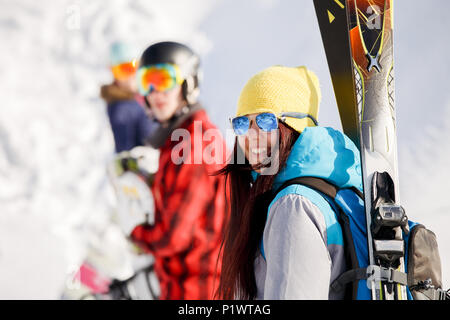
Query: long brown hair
[[249, 201]]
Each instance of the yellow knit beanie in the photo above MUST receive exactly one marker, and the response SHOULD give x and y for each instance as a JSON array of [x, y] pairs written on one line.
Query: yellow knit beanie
[[282, 89]]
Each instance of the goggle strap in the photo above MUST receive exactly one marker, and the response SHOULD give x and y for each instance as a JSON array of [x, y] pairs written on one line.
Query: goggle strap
[[297, 115]]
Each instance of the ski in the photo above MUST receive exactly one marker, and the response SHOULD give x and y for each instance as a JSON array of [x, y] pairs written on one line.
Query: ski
[[358, 41]]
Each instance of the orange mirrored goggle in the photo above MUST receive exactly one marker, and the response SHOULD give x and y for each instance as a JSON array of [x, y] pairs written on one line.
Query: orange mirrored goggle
[[160, 77], [124, 70]]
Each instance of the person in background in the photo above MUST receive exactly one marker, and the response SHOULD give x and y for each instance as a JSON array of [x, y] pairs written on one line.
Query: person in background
[[129, 123], [190, 206]]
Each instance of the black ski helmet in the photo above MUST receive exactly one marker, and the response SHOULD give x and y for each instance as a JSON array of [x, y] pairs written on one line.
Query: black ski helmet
[[184, 58]]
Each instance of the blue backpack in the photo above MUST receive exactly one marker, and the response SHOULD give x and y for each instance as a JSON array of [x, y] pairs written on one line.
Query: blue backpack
[[423, 279]]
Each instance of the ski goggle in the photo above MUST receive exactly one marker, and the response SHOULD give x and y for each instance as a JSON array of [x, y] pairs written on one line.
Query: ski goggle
[[266, 121], [160, 77], [124, 70]]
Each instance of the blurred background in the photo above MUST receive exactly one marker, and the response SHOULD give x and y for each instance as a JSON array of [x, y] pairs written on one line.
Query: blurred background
[[55, 139]]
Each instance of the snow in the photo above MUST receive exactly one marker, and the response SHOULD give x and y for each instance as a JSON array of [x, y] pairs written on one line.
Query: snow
[[55, 141]]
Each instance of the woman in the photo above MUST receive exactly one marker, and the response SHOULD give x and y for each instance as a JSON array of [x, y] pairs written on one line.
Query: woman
[[290, 247]]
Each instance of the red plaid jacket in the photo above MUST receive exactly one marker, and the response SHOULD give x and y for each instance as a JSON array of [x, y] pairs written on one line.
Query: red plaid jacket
[[190, 213]]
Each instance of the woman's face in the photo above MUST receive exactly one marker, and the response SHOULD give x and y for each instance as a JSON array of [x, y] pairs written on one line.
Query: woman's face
[[257, 144]]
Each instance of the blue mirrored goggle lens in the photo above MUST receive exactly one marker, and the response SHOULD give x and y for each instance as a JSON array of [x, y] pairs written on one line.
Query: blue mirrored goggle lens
[[267, 121], [240, 125]]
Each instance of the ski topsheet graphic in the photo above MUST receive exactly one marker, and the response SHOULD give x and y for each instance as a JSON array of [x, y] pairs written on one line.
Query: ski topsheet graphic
[[358, 41]]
